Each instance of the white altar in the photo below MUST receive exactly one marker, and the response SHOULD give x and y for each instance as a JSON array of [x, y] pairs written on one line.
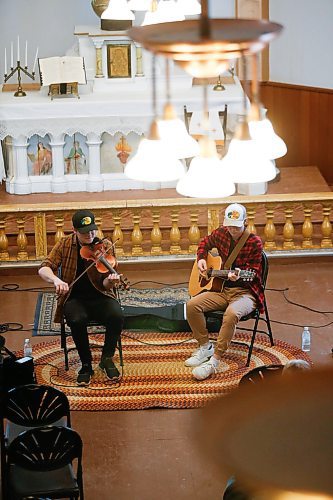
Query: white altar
[[71, 144]]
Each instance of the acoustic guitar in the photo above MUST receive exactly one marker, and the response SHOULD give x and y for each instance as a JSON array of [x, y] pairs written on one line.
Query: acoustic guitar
[[216, 277]]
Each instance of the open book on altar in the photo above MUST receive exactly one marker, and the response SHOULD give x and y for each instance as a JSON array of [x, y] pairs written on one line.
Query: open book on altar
[[65, 69]]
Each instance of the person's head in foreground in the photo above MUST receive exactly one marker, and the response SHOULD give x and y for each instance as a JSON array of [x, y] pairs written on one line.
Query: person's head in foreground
[[295, 365]]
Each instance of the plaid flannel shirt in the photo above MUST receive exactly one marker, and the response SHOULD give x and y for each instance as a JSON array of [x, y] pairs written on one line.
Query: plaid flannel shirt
[[249, 257], [63, 261]]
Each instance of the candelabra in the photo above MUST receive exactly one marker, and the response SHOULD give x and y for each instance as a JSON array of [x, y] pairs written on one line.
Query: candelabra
[[20, 92]]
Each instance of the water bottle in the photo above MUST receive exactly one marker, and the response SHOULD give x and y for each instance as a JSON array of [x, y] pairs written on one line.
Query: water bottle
[[27, 348], [306, 339]]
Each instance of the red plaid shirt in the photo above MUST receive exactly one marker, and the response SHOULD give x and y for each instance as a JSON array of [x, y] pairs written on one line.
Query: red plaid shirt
[[249, 257]]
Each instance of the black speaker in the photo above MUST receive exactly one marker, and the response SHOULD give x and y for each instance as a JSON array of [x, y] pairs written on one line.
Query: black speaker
[[14, 372]]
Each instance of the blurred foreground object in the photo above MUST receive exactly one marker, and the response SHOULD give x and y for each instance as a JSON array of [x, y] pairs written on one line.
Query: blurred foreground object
[[275, 437]]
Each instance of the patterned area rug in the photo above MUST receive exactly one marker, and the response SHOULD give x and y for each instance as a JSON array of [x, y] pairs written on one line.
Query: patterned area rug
[[156, 301], [154, 372]]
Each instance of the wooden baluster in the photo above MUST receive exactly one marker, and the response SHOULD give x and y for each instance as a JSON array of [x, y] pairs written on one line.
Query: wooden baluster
[[269, 230], [307, 228], [98, 221], [156, 235], [213, 219], [288, 229], [194, 232], [117, 235], [59, 222], [251, 214], [22, 240], [4, 255], [40, 236], [136, 235], [175, 233], [326, 228]]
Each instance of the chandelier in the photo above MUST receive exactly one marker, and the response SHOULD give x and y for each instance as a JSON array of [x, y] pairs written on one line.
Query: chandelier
[[204, 48]]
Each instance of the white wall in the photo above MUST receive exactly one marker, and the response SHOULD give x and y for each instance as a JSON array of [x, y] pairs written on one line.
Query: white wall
[[48, 24], [302, 55]]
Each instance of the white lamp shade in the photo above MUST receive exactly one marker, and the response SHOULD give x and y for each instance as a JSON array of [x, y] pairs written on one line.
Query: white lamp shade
[[167, 11], [206, 178], [190, 7], [119, 10], [154, 162], [247, 164], [174, 133], [139, 4], [271, 145]]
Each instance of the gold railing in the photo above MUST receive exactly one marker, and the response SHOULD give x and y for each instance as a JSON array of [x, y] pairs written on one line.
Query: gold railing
[[168, 228]]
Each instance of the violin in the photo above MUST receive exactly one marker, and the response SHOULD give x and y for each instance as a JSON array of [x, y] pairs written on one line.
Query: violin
[[104, 261]]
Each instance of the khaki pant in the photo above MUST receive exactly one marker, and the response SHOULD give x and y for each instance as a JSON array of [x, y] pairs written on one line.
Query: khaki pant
[[235, 302]]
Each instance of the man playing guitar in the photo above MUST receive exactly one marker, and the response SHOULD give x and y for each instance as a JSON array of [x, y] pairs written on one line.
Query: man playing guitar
[[241, 252]]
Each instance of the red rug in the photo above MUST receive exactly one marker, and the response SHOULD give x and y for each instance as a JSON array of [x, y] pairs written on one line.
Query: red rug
[[154, 372]]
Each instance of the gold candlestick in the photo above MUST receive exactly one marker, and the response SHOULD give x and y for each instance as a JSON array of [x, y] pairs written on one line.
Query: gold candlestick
[[20, 92]]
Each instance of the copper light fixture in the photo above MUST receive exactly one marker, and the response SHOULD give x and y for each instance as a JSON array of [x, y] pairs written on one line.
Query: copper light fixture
[[204, 47]]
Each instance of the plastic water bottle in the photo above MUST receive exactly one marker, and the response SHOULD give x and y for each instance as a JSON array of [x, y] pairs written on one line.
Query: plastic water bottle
[[27, 348], [306, 339]]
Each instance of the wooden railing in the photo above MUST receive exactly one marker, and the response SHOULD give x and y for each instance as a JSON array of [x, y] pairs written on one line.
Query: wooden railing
[[169, 228]]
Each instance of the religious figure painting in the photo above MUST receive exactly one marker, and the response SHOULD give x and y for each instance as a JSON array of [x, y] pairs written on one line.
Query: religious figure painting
[[76, 155], [119, 60], [39, 156], [117, 150]]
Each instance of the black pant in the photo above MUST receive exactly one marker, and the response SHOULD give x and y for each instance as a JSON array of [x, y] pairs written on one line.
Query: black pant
[[104, 310]]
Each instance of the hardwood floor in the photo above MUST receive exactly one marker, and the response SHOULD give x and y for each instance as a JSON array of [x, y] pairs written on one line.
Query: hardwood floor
[[151, 454]]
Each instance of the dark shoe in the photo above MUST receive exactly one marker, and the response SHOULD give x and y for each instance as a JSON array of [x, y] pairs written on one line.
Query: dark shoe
[[109, 368], [84, 375]]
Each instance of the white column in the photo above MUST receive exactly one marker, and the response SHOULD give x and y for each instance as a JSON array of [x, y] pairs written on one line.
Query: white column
[[95, 179], [58, 183], [21, 181], [98, 43], [139, 60]]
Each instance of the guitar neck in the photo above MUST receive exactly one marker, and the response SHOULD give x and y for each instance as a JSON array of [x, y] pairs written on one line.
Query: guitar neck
[[219, 273]]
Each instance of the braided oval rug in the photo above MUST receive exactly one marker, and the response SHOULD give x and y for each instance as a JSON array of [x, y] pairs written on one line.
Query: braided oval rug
[[154, 374]]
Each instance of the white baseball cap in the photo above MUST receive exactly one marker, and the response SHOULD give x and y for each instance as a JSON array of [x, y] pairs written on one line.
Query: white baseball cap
[[235, 215]]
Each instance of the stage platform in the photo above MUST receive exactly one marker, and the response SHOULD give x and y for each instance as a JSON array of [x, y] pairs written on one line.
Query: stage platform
[[292, 180]]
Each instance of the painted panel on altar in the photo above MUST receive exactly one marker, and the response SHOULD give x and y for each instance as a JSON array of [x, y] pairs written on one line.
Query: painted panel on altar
[[76, 155], [117, 150], [39, 155]]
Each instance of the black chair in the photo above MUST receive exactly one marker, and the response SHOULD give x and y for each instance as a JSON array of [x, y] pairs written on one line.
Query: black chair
[[255, 315], [260, 373], [41, 464], [65, 333], [30, 406]]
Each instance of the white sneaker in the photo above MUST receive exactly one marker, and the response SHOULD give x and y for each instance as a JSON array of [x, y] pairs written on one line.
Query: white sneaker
[[204, 371], [200, 355]]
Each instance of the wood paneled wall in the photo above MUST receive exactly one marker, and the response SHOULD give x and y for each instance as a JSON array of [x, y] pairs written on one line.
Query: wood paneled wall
[[303, 117]]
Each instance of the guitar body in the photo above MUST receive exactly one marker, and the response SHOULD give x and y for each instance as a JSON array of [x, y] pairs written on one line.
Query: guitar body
[[216, 277], [198, 283]]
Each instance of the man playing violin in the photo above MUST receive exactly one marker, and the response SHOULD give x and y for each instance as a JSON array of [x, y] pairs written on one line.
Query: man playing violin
[[237, 298], [84, 296]]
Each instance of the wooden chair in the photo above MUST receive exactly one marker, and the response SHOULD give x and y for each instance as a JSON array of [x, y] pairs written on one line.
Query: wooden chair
[[220, 143], [64, 334], [254, 315], [41, 464]]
